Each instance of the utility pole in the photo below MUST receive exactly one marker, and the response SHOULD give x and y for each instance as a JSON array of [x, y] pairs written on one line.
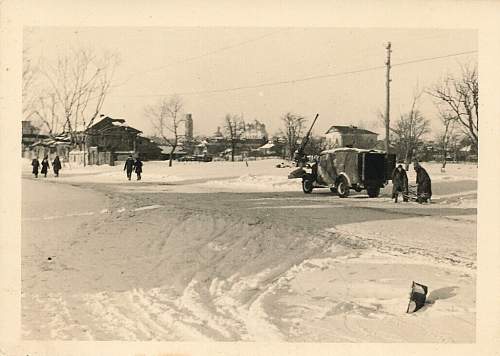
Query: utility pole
[[388, 96]]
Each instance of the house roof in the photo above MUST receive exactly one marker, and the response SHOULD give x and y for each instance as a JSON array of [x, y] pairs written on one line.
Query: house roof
[[350, 149], [163, 142], [166, 149], [107, 122], [266, 146], [34, 136], [349, 130], [61, 139]]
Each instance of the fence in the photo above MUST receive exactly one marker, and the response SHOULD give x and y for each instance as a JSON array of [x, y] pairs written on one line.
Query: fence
[[98, 158], [93, 157], [77, 158]]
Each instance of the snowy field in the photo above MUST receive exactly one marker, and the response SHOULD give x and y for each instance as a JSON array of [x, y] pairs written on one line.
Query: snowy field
[[260, 261]]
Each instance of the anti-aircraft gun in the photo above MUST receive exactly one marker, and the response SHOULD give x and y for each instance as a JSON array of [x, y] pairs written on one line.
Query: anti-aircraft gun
[[300, 156]]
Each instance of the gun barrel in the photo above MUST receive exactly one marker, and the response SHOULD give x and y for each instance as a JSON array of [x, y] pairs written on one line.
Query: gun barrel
[[306, 138]]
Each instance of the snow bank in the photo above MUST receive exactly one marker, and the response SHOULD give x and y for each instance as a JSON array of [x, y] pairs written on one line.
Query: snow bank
[[454, 171], [251, 182]]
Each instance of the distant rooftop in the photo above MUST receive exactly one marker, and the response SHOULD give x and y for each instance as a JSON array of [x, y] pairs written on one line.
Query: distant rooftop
[[349, 130], [351, 149], [106, 121]]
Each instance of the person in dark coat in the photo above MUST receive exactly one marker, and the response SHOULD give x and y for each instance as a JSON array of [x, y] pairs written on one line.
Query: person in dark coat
[[129, 166], [36, 164], [424, 189], [399, 183], [45, 166], [314, 169], [138, 168], [56, 166]]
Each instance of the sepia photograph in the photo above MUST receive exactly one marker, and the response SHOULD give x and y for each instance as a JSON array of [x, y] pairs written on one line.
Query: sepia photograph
[[249, 184], [232, 180]]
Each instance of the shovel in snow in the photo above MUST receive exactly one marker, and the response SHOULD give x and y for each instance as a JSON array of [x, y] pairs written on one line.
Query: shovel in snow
[[417, 297]]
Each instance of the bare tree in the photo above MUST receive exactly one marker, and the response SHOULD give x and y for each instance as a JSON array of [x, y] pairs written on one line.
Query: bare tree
[[447, 136], [38, 106], [408, 131], [234, 127], [166, 117], [76, 87], [316, 145], [294, 126], [29, 77], [46, 110], [459, 99]]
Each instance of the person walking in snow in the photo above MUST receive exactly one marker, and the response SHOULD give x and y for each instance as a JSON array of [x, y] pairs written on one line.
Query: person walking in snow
[[56, 166], [45, 166], [399, 183], [138, 168], [424, 189], [36, 164], [129, 166]]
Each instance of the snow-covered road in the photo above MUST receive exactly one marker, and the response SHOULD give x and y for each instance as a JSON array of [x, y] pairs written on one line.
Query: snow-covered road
[[146, 261]]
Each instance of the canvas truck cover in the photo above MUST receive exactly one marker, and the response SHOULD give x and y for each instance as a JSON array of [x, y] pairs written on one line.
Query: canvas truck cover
[[327, 172], [332, 163], [348, 162]]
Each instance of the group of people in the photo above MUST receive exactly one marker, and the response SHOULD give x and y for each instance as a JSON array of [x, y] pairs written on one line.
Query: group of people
[[400, 184], [130, 166], [56, 166], [133, 165]]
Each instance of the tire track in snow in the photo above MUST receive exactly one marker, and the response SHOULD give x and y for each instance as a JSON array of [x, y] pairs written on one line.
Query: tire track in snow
[[89, 213]]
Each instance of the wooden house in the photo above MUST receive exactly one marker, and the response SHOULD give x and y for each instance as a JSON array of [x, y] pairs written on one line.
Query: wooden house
[[112, 135], [350, 136]]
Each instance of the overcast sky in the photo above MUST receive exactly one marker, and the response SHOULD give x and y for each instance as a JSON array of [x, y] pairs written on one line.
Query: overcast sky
[[159, 62]]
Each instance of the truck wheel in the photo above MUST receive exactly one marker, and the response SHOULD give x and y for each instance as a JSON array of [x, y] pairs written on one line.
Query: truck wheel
[[343, 188], [307, 186], [373, 192]]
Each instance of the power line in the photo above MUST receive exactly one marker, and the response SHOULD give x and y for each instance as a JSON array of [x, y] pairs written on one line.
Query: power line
[[222, 49], [298, 80], [206, 54], [264, 84], [434, 58], [370, 50], [292, 81]]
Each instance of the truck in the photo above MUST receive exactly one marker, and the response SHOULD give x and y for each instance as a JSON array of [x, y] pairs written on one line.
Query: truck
[[346, 168]]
